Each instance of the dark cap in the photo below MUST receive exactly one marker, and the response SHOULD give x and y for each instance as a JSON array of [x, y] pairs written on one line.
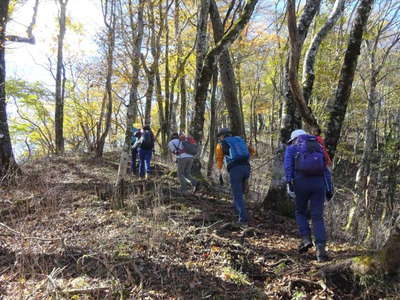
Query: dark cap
[[224, 131], [175, 135]]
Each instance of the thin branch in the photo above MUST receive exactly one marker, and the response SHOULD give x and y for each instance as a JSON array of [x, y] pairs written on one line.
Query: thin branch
[[30, 39]]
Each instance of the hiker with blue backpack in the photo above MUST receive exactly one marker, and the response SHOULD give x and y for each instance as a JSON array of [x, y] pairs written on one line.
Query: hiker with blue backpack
[[145, 146], [234, 151], [184, 148], [309, 182]]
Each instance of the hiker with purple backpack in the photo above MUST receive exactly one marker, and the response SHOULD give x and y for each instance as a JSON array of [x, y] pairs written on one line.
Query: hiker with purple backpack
[[309, 182]]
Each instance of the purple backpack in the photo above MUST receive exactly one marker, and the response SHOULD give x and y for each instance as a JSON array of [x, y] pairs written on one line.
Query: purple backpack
[[309, 159]]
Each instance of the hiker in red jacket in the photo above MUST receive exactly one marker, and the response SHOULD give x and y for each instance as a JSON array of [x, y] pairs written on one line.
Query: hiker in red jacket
[[321, 141]]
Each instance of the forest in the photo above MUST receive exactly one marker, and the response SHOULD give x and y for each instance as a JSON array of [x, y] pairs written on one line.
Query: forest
[[78, 223]]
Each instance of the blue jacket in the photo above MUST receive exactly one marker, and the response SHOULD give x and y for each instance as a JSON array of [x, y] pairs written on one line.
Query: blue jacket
[[290, 173]]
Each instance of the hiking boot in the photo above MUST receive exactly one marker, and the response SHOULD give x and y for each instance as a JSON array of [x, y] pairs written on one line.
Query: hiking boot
[[196, 187], [305, 244], [244, 225], [321, 253]]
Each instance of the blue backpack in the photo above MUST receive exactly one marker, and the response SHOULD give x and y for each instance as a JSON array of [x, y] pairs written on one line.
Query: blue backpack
[[238, 150], [309, 159]]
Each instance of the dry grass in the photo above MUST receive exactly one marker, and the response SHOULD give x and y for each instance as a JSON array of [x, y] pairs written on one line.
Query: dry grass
[[161, 246]]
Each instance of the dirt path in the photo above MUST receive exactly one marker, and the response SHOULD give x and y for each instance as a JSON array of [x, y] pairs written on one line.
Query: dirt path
[[162, 246]]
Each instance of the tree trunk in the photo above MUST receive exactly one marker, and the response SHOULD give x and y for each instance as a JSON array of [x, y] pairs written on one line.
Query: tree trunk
[[60, 74], [392, 147], [213, 124], [149, 96], [167, 106], [7, 161], [240, 99], [296, 45], [276, 197], [110, 20], [8, 164], [227, 75], [197, 125], [386, 261], [309, 62], [201, 39], [183, 104], [343, 91], [361, 197], [119, 190], [364, 202]]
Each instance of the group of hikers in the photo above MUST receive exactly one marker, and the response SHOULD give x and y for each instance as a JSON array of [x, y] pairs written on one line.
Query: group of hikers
[[307, 173]]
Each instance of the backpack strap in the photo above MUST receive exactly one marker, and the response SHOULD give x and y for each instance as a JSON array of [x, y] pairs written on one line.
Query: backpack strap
[[178, 151]]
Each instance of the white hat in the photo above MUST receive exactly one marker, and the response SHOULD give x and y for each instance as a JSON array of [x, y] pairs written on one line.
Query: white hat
[[296, 133]]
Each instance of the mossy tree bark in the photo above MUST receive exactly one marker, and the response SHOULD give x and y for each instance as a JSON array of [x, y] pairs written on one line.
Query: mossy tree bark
[[385, 262]]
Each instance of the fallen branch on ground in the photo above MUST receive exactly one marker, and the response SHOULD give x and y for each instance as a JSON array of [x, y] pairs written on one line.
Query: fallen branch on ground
[[85, 291]]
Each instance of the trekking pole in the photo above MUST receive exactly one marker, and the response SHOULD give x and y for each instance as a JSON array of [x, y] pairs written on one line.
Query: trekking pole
[[221, 180], [263, 165]]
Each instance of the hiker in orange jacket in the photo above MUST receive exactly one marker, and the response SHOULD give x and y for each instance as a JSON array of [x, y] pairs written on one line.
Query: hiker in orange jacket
[[234, 151]]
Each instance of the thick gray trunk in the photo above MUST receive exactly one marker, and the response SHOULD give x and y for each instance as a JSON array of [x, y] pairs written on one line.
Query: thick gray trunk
[[343, 91]]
